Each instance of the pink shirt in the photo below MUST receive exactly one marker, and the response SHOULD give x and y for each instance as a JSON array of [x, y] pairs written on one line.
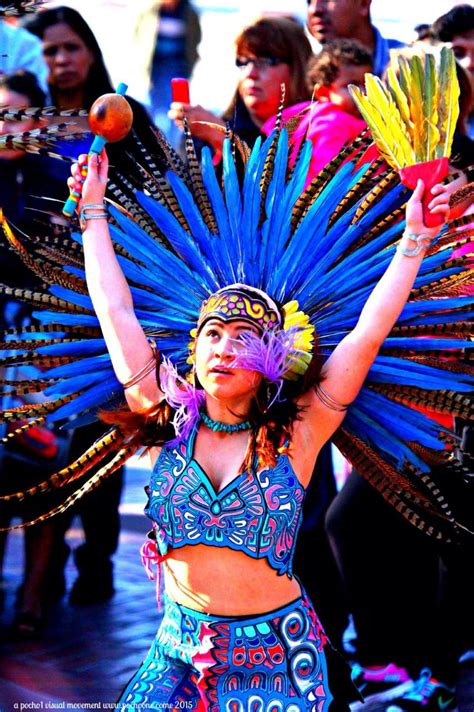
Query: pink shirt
[[325, 125]]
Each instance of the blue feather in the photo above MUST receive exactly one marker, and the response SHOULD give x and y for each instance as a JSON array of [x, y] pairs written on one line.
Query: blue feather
[[182, 241], [222, 219], [391, 369], [51, 317], [233, 203], [380, 438], [85, 347], [251, 199], [95, 397], [88, 365]]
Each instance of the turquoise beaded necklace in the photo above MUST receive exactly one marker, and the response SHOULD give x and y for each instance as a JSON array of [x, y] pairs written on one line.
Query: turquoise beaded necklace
[[219, 427]]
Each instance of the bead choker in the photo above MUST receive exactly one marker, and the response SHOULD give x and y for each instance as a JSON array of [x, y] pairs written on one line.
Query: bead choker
[[219, 427]]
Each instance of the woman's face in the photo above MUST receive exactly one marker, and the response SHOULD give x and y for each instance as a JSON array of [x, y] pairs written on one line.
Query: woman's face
[[14, 101], [260, 86], [68, 58], [216, 346]]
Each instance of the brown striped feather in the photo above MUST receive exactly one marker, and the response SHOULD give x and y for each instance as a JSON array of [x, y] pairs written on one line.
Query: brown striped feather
[[120, 458], [199, 191]]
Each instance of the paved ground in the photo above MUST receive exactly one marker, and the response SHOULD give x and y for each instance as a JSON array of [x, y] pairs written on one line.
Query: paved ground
[[88, 654]]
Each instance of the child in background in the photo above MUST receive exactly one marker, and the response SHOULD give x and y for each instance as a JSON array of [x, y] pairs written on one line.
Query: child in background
[[334, 118]]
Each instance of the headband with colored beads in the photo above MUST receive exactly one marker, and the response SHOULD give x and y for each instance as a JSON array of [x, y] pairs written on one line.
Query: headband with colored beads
[[238, 301]]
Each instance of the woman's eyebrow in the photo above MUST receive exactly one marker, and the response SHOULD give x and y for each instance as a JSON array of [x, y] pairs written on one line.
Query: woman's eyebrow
[[246, 327]]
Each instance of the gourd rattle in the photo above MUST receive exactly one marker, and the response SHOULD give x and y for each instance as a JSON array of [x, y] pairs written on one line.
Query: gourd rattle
[[110, 119]]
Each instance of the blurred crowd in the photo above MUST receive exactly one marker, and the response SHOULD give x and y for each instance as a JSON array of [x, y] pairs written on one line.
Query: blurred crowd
[[407, 600]]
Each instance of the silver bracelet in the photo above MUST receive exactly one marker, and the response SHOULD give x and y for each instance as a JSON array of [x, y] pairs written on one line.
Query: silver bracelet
[[328, 400], [423, 241], [92, 211]]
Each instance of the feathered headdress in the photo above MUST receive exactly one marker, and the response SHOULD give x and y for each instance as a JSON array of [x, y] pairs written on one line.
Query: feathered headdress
[[182, 236]]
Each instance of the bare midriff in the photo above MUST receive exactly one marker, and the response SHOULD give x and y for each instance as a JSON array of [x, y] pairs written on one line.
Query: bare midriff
[[225, 582]]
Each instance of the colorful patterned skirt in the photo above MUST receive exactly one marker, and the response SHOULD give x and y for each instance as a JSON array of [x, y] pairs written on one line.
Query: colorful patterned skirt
[[281, 661]]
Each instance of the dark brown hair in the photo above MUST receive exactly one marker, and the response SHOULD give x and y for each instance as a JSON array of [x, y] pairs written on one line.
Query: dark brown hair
[[98, 80], [458, 21], [284, 38], [26, 84], [324, 68]]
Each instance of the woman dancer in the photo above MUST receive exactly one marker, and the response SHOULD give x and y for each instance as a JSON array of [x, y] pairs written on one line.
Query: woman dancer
[[225, 496]]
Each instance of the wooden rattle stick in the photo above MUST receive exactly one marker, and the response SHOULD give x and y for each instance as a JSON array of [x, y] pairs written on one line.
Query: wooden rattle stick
[[110, 119]]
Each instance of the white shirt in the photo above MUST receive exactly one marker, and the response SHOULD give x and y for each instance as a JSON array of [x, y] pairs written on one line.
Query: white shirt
[[19, 49]]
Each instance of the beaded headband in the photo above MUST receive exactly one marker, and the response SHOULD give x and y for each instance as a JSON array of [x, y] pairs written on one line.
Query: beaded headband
[[239, 301]]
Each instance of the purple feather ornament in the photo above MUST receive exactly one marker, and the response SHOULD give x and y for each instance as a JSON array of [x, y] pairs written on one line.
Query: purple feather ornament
[[186, 399], [272, 353]]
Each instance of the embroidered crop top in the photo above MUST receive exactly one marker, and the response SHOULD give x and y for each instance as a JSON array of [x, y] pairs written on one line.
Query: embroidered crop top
[[258, 513]]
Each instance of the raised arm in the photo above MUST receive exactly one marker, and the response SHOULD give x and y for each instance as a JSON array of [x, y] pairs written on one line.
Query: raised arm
[[346, 369], [129, 349]]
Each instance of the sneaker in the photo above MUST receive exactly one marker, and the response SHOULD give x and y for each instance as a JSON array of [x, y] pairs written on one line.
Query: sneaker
[[426, 695], [375, 679]]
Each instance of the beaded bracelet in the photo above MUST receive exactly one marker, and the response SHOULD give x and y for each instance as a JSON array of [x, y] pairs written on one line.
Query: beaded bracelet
[[92, 211], [423, 241]]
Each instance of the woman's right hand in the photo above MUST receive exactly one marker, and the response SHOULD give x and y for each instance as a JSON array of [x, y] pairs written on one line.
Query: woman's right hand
[[94, 186], [199, 121]]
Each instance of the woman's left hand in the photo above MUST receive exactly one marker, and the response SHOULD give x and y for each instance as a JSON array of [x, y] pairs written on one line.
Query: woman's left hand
[[414, 212]]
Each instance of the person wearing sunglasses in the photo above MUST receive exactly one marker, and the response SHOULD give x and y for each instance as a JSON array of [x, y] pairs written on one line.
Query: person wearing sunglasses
[[271, 52]]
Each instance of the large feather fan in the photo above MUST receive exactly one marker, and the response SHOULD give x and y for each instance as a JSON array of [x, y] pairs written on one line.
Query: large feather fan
[[413, 115], [181, 236]]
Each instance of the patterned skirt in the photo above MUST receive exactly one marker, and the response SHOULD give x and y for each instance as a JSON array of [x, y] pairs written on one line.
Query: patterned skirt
[[281, 661]]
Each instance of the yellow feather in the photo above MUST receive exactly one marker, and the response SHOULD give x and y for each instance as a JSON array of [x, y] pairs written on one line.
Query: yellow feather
[[412, 120], [430, 107], [396, 128], [386, 143], [448, 101], [398, 96], [415, 96]]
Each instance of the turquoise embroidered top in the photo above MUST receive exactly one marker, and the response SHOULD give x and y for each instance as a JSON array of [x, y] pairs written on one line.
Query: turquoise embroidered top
[[258, 513]]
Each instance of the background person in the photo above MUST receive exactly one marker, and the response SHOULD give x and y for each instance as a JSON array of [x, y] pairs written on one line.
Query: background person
[[330, 19], [270, 52], [167, 36], [333, 118], [21, 50], [456, 28], [38, 452]]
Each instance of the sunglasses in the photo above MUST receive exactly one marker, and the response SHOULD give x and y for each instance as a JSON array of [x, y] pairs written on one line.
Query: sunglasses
[[260, 62]]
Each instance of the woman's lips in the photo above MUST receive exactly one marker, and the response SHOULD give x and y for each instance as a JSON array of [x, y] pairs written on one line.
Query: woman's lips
[[66, 77], [318, 27]]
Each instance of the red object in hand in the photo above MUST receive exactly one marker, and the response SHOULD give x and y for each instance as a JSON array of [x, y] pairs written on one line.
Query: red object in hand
[[430, 172], [180, 90], [111, 117]]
